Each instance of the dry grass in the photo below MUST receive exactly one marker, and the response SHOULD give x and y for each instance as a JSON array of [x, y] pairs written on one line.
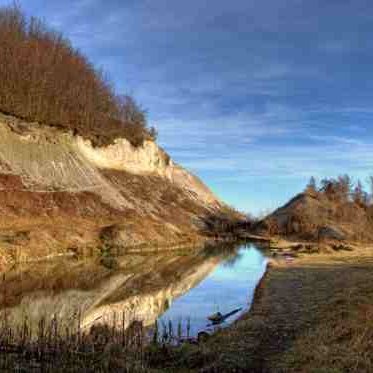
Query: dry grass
[[50, 346], [314, 315], [342, 338]]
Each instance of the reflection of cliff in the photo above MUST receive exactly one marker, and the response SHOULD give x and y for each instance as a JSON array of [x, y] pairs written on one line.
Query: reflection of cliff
[[142, 288], [148, 295]]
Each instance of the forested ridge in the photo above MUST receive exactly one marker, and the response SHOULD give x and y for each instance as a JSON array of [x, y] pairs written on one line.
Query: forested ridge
[[44, 79]]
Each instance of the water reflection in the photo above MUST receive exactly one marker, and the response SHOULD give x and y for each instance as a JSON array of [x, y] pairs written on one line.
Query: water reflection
[[230, 286], [173, 285]]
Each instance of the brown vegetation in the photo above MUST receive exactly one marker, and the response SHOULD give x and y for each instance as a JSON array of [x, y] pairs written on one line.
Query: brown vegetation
[[161, 215], [307, 317], [44, 79], [51, 346], [337, 209]]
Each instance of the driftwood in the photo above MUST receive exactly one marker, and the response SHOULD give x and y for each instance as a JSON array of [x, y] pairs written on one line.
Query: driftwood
[[218, 318]]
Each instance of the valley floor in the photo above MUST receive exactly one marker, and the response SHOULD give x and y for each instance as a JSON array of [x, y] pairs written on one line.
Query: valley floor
[[314, 314]]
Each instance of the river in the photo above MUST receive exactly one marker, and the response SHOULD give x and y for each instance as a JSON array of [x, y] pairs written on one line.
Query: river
[[164, 286], [229, 287]]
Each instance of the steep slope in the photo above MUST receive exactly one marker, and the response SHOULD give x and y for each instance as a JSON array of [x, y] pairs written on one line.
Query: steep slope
[[58, 193]]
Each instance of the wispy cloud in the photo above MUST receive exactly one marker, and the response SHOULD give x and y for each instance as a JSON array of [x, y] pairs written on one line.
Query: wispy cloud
[[240, 91]]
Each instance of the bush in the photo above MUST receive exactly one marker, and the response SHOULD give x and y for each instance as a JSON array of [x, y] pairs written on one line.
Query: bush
[[44, 79]]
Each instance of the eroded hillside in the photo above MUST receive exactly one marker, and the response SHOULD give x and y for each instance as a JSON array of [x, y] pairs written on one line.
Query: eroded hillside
[[58, 193]]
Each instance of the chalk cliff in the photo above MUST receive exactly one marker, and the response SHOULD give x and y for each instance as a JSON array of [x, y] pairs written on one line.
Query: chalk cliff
[[58, 193]]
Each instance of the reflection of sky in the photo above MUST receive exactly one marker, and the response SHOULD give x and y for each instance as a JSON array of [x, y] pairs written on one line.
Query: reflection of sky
[[231, 285]]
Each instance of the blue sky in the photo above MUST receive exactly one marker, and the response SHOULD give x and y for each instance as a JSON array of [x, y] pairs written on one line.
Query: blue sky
[[254, 96]]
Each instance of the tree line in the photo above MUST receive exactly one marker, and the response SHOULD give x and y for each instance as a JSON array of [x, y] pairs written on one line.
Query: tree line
[[44, 79], [342, 190], [341, 201], [339, 206]]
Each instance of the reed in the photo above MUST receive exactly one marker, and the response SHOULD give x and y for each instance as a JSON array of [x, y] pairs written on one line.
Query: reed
[[52, 345]]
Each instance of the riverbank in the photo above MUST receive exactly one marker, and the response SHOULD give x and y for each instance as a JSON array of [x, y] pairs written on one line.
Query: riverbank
[[313, 314]]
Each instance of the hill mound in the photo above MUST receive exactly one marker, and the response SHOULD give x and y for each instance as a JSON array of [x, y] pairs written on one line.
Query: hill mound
[[314, 215]]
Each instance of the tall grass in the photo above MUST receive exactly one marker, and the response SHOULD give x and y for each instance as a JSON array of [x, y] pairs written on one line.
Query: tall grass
[[52, 345], [118, 341]]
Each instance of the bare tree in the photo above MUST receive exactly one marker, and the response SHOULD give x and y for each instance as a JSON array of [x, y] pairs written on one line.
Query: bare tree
[[44, 79], [344, 187], [360, 197], [311, 187]]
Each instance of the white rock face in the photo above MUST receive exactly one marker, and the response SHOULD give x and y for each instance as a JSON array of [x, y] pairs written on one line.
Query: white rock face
[[48, 160], [145, 159], [123, 156], [48, 166]]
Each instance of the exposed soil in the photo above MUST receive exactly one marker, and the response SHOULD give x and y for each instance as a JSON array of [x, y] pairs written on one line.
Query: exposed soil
[[55, 222]]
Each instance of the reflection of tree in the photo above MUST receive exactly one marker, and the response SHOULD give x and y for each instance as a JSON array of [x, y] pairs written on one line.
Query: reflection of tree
[[231, 262], [228, 253], [222, 251], [166, 305]]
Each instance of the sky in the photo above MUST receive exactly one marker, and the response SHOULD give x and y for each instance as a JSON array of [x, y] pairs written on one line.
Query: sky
[[254, 96]]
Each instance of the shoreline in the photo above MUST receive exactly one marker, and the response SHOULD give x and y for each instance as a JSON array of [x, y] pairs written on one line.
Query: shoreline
[[198, 243], [305, 314], [298, 318]]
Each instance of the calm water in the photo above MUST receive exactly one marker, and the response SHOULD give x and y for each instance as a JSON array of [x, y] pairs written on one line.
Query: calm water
[[231, 285], [192, 284]]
